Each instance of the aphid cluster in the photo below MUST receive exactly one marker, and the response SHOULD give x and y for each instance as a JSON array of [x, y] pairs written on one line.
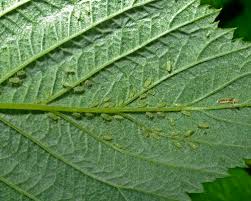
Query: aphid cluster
[[17, 80]]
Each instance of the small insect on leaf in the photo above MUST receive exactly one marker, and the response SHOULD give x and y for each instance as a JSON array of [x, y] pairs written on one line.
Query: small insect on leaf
[[186, 113], [79, 89], [107, 137], [88, 83], [119, 146], [143, 96], [178, 145], [66, 85], [53, 116], [149, 115], [21, 74], [90, 115], [76, 115], [147, 83], [77, 14], [107, 104], [193, 145], [228, 100], [203, 126], [107, 99], [15, 81], [189, 133], [106, 117], [160, 114], [169, 66], [118, 117]]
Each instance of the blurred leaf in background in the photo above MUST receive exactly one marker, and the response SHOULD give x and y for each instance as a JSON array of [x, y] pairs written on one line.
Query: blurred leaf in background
[[237, 187], [235, 13]]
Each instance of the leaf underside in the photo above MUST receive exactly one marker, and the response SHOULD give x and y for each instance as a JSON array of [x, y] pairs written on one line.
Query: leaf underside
[[119, 100]]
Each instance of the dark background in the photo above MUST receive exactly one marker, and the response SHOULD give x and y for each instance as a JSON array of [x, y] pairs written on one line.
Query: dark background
[[237, 187], [235, 13]]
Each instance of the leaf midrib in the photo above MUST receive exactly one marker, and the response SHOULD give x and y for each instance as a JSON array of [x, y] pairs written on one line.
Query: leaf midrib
[[117, 110]]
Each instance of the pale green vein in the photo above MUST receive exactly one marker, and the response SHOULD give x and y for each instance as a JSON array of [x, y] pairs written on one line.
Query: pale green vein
[[226, 120], [65, 40], [68, 163], [164, 78], [55, 108], [13, 7], [226, 31], [97, 70], [128, 153], [18, 189], [223, 86]]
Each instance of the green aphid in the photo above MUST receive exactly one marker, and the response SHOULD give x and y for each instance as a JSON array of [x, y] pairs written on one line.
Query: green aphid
[[107, 137], [147, 83], [189, 133], [160, 114], [107, 104], [142, 105], [66, 85], [173, 123], [149, 115], [203, 126], [15, 81], [186, 113], [178, 145], [77, 115], [143, 96], [90, 115], [193, 145], [77, 14], [107, 99], [169, 66], [146, 133], [21, 74], [161, 105], [132, 93], [106, 117], [159, 130], [88, 83], [119, 146], [118, 117], [94, 104], [53, 116], [79, 89]]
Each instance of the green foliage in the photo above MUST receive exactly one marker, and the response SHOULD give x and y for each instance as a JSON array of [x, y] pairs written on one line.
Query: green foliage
[[119, 100], [233, 188], [240, 21]]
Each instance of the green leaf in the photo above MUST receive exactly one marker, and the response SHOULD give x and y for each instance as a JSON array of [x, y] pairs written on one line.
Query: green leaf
[[235, 187], [119, 100]]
